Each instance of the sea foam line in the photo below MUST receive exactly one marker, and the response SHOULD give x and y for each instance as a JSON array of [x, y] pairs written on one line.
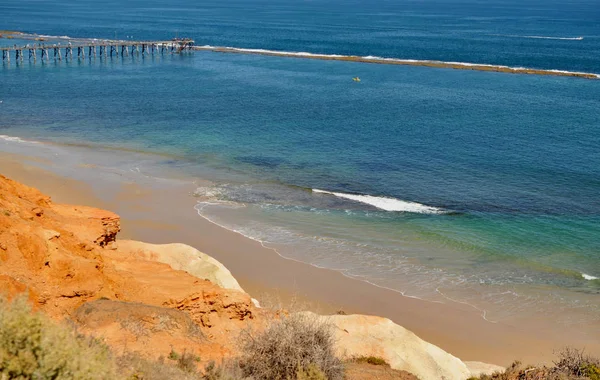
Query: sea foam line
[[400, 61], [540, 37], [385, 203], [16, 139], [588, 277]]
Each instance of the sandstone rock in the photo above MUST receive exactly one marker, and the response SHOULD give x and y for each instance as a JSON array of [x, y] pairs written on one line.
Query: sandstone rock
[[362, 335], [186, 258], [50, 234], [97, 226], [478, 368], [149, 330], [69, 258]]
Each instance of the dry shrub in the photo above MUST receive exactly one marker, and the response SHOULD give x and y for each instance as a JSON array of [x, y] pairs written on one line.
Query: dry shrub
[[291, 344], [229, 370], [186, 362], [575, 362], [572, 364], [134, 366], [32, 346]]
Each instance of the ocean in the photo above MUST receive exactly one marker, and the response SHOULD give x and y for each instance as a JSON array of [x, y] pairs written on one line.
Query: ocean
[[474, 187]]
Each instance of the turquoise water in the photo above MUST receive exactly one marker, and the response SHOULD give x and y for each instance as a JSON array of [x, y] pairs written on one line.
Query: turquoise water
[[472, 186]]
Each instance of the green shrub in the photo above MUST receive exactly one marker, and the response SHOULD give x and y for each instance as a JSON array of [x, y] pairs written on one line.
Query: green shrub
[[32, 346], [374, 360], [311, 372], [291, 344], [186, 361]]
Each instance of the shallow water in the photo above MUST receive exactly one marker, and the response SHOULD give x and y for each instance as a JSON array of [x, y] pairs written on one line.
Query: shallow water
[[449, 185]]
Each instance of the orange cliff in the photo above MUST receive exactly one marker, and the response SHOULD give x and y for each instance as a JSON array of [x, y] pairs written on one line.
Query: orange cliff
[[67, 259]]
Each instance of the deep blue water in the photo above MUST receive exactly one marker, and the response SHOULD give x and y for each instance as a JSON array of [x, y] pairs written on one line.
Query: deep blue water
[[511, 162]]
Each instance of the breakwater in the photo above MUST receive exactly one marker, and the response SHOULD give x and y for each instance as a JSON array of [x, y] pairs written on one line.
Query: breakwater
[[398, 61]]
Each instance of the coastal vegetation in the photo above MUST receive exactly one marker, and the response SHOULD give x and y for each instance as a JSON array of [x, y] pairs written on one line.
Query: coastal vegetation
[[296, 346], [373, 360], [32, 346], [571, 364]]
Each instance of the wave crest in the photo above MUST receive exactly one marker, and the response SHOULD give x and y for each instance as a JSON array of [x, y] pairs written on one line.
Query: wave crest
[[385, 203]]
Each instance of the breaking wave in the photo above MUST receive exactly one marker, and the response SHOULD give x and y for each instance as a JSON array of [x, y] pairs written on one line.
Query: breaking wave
[[16, 139], [384, 203], [541, 37]]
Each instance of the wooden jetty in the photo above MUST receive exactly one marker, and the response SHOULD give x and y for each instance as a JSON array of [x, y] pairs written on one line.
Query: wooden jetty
[[105, 48]]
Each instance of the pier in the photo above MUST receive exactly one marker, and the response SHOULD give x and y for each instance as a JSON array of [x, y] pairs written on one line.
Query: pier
[[105, 48]]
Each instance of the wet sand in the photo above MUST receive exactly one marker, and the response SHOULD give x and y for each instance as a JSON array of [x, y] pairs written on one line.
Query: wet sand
[[166, 215]]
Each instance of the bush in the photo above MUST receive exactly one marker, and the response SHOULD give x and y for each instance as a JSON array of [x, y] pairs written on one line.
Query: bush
[[136, 367], [290, 347], [374, 360], [32, 346], [576, 363], [572, 364], [186, 361], [227, 371], [312, 372]]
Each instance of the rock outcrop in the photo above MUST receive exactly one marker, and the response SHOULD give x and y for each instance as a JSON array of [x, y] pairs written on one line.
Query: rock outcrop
[[362, 335], [183, 257], [478, 368]]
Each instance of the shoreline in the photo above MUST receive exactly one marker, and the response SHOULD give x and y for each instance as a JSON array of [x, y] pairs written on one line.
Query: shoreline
[[157, 216]]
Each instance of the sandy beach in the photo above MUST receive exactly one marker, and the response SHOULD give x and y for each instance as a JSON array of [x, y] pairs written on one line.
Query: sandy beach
[[161, 216]]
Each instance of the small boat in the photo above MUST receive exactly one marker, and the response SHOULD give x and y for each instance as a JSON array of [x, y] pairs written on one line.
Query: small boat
[[356, 79]]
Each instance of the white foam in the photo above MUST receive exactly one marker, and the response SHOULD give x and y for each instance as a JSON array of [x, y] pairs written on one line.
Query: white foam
[[588, 277], [53, 37], [541, 37], [385, 203], [16, 139]]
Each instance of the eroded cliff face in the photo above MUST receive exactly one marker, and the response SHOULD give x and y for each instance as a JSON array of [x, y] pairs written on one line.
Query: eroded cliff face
[[68, 260]]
